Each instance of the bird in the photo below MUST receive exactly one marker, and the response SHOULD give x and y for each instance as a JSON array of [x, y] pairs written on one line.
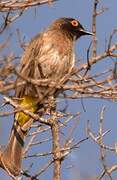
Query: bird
[[50, 55]]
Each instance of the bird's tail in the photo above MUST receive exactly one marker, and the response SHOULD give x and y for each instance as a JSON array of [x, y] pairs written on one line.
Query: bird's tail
[[13, 153]]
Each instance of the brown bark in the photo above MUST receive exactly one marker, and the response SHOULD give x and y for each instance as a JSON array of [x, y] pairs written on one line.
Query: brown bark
[[56, 149]]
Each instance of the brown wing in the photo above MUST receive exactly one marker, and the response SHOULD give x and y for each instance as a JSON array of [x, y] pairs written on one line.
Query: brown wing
[[49, 55], [28, 68]]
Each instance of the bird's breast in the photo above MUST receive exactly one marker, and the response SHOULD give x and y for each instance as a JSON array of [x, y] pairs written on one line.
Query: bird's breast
[[56, 55], [55, 64]]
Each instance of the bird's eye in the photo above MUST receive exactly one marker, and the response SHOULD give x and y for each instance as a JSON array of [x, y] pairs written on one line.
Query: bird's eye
[[74, 23]]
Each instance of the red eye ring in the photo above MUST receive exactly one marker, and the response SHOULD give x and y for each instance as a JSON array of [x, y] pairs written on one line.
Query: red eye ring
[[74, 23]]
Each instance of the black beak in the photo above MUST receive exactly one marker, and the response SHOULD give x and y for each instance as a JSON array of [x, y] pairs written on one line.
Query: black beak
[[84, 32]]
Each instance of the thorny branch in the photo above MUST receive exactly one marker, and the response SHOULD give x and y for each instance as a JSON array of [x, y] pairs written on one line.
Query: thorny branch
[[14, 5], [15, 8], [103, 148]]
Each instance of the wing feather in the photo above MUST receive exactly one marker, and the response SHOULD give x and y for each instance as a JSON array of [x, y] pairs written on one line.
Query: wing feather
[[28, 68]]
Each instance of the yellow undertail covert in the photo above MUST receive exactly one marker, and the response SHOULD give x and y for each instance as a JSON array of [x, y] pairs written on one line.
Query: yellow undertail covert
[[28, 103]]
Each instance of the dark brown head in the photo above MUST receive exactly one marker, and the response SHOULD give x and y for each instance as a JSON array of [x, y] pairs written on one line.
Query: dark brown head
[[71, 27]]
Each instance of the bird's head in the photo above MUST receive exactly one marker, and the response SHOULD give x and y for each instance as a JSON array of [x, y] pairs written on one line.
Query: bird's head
[[71, 27]]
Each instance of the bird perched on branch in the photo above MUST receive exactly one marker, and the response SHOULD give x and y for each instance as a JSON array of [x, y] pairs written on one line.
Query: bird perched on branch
[[49, 56]]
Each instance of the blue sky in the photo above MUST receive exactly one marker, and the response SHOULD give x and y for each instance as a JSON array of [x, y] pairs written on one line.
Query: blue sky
[[86, 159]]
